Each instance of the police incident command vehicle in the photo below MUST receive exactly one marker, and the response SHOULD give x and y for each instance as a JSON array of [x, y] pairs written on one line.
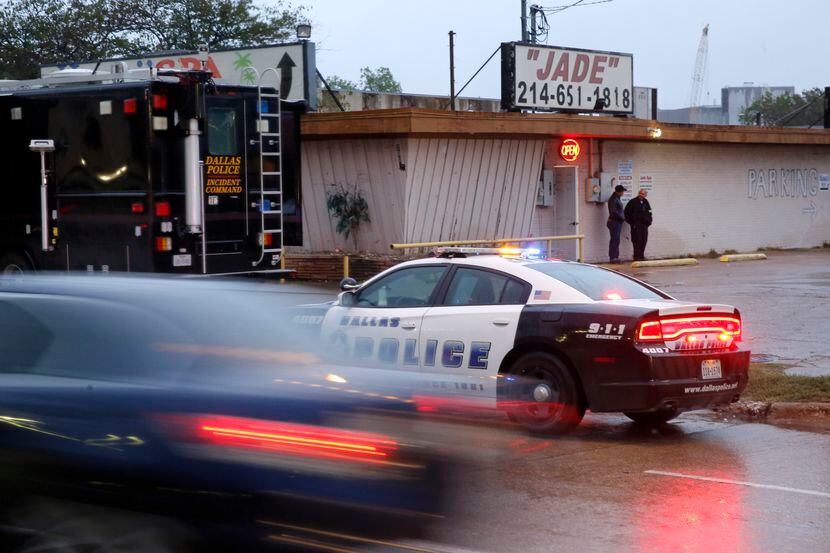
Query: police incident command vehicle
[[543, 340]]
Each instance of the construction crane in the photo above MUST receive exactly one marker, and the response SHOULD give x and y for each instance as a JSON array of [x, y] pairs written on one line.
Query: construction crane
[[699, 76]]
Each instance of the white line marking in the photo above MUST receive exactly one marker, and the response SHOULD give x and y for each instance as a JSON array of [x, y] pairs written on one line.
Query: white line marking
[[737, 482]]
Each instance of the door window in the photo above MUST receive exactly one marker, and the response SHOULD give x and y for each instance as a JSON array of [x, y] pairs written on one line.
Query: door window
[[474, 287], [405, 288], [222, 131]]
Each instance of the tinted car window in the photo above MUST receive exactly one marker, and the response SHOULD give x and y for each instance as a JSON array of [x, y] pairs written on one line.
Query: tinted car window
[[82, 338], [474, 287], [405, 288], [596, 283]]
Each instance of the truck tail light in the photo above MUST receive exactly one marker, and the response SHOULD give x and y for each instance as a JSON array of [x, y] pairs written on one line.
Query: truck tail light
[[164, 243], [727, 328], [162, 209], [266, 239], [159, 101], [130, 106]]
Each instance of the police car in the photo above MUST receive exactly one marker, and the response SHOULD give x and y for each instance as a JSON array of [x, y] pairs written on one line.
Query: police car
[[542, 339]]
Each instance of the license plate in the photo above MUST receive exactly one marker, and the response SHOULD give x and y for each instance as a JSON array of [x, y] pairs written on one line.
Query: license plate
[[710, 369], [185, 260]]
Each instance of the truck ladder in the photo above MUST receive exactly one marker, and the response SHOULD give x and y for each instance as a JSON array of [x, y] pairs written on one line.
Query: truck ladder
[[269, 127]]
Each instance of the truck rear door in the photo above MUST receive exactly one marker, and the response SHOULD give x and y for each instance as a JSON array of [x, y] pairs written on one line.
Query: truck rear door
[[229, 239]]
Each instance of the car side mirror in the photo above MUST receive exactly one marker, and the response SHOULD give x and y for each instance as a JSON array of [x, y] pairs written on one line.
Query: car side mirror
[[346, 298], [348, 283]]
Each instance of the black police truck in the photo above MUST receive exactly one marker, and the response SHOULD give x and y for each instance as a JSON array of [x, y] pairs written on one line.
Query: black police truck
[[158, 172]]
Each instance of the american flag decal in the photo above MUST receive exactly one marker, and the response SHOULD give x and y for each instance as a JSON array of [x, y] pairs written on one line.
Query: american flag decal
[[541, 295]]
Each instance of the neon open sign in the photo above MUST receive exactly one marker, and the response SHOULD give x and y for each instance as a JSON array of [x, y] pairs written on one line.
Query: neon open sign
[[569, 150]]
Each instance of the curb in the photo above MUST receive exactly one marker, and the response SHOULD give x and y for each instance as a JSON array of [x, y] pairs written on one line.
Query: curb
[[781, 411], [664, 263], [742, 257]]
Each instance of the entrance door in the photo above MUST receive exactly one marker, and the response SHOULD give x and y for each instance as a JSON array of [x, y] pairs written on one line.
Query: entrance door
[[227, 228], [565, 210]]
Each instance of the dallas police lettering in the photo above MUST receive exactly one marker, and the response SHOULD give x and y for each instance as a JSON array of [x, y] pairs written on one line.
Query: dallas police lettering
[[389, 350]]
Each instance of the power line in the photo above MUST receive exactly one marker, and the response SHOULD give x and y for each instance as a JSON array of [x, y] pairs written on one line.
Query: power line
[[578, 3], [539, 32]]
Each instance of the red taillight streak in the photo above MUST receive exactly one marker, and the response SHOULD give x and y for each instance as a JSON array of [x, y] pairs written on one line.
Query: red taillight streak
[[297, 439], [294, 440]]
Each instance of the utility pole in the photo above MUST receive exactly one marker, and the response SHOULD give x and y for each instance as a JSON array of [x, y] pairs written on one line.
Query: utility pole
[[452, 71], [524, 21], [827, 107], [533, 24]]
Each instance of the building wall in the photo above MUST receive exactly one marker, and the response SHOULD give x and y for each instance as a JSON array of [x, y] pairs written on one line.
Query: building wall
[[372, 166], [705, 196], [471, 188], [421, 189], [735, 99], [703, 199]]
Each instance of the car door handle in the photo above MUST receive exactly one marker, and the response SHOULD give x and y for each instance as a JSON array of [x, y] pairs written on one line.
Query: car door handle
[[501, 322], [408, 326]]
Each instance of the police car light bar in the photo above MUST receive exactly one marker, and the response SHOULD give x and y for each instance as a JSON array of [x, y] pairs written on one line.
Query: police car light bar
[[506, 251]]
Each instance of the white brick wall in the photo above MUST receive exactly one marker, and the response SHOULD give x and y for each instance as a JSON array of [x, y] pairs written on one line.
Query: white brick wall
[[701, 200]]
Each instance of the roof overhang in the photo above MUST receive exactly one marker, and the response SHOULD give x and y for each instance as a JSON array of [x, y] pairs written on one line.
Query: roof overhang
[[417, 122]]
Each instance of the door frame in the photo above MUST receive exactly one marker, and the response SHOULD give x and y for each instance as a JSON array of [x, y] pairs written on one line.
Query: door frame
[[557, 213]]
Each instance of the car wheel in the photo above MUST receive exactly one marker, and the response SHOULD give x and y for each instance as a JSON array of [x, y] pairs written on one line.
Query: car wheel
[[654, 417], [544, 397], [65, 527], [14, 264]]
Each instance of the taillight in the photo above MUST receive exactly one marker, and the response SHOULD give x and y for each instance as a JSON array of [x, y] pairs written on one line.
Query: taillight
[[676, 328], [650, 332], [159, 101], [162, 209], [266, 239], [293, 439], [130, 106], [137, 208], [164, 243]]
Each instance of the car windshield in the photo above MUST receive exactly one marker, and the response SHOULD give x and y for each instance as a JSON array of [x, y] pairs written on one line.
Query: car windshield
[[596, 283]]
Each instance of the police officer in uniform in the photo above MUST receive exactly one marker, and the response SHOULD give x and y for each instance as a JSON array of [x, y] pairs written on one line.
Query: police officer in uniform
[[616, 218], [638, 215]]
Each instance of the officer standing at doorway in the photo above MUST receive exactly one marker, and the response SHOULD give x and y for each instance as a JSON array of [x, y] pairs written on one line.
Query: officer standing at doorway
[[638, 215], [616, 218]]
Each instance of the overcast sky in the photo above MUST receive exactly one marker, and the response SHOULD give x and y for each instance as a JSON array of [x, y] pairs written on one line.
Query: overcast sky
[[760, 41]]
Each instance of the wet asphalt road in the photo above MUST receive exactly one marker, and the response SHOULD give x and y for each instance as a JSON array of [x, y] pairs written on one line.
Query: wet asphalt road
[[600, 489]]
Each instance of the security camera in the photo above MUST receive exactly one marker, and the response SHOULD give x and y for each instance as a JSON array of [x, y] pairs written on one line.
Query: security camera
[[42, 145]]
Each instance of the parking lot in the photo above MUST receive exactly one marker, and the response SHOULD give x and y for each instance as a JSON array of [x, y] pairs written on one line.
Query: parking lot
[[704, 482]]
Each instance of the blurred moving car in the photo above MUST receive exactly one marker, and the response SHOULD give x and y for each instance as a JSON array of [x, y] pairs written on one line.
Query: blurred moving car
[[143, 414], [543, 340]]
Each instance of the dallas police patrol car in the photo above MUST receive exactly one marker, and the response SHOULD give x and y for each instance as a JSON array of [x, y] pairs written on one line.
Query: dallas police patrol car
[[545, 340]]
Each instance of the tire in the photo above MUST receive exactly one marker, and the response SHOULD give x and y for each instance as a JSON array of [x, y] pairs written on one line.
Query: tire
[[65, 527], [545, 398], [14, 264], [653, 417]]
